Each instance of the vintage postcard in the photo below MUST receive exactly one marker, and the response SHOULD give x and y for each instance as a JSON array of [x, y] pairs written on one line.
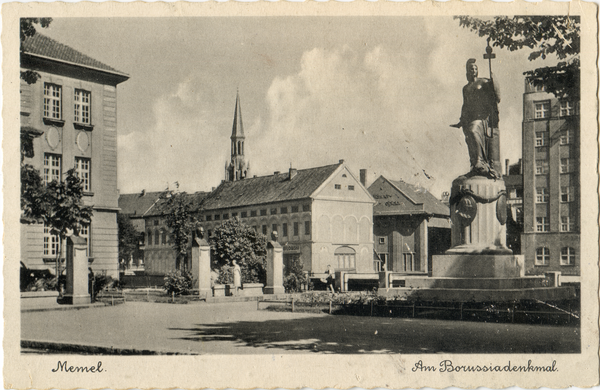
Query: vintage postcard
[[318, 194]]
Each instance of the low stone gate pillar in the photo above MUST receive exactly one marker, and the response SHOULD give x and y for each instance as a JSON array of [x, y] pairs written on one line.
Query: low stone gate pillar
[[77, 271], [201, 266], [274, 268]]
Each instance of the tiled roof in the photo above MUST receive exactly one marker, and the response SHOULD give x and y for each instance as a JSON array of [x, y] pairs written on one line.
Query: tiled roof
[[430, 204], [43, 46], [268, 189], [194, 200], [137, 204]]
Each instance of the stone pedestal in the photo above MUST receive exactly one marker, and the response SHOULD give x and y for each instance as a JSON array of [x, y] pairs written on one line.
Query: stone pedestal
[[477, 266], [77, 272], [201, 266], [478, 213], [274, 268]]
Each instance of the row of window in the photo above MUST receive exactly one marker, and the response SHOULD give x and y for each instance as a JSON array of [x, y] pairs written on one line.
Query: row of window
[[52, 241], [339, 187], [542, 109], [566, 166], [284, 229], [82, 103], [567, 256], [542, 224], [53, 170], [541, 138], [157, 237], [566, 194], [254, 213]]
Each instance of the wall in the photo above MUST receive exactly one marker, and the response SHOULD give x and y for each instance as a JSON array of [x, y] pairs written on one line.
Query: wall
[[98, 144]]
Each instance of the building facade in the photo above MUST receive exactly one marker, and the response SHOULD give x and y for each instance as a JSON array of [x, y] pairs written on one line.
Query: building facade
[[551, 184], [323, 216], [135, 207], [410, 226], [73, 105], [159, 256]]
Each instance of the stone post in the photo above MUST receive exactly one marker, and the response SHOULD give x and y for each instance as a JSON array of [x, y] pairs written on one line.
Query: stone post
[[274, 268], [201, 266], [77, 271]]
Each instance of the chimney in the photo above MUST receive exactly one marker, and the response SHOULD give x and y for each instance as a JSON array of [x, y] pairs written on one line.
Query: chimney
[[276, 173], [341, 161], [293, 172], [507, 164], [363, 177], [143, 193]]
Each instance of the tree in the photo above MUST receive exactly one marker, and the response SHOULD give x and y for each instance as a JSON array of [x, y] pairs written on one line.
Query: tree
[[128, 237], [33, 195], [234, 240], [544, 36], [28, 30], [64, 210], [177, 210]]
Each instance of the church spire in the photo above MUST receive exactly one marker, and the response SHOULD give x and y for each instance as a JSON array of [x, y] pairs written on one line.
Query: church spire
[[237, 168], [238, 126]]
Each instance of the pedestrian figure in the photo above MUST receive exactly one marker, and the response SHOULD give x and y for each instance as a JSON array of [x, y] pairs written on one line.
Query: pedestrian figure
[[237, 277], [330, 278]]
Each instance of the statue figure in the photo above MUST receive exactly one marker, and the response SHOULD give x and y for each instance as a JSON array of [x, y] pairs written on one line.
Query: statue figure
[[479, 121]]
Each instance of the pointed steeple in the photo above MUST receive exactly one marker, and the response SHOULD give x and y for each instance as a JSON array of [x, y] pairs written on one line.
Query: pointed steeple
[[238, 126], [237, 168]]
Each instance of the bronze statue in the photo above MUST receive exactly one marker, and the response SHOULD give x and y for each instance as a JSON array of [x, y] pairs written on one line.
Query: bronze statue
[[479, 121]]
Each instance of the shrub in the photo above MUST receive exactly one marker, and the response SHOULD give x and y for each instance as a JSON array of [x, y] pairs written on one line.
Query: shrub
[[295, 277], [102, 281], [178, 282], [225, 275]]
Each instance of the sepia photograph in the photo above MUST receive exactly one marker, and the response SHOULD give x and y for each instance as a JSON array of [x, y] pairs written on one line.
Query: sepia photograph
[[322, 197]]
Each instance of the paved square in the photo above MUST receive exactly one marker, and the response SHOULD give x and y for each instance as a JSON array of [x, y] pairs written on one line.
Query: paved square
[[238, 328]]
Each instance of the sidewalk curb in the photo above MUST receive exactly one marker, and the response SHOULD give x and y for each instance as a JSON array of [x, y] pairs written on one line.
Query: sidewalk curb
[[65, 307], [94, 350]]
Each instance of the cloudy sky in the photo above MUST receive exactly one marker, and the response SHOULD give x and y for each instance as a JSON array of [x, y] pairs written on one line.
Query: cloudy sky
[[378, 92]]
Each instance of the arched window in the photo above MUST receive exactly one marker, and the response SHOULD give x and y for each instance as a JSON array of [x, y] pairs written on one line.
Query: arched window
[[345, 258], [239, 147], [542, 256], [149, 237], [567, 256], [156, 237], [164, 237]]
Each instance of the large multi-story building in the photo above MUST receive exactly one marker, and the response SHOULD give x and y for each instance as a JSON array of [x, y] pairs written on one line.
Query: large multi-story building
[[551, 183], [410, 226], [73, 106], [323, 216]]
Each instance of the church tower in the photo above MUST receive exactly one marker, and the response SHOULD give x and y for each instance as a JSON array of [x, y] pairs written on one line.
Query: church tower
[[237, 169]]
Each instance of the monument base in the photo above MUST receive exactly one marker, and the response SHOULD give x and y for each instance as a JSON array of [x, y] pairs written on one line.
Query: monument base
[[462, 265], [475, 278], [274, 290], [83, 299], [545, 294]]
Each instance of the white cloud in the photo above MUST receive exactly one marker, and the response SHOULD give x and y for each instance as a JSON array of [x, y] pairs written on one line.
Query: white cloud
[[368, 109]]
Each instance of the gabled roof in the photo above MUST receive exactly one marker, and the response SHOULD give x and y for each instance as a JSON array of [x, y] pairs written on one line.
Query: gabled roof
[[138, 204], [43, 46], [269, 189], [194, 200], [424, 201]]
